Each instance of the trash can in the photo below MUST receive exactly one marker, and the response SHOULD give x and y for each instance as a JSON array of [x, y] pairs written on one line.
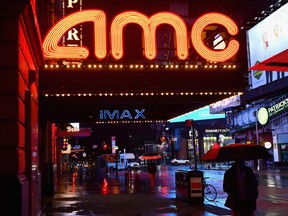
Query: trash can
[[182, 184], [179, 183], [189, 186], [196, 190]]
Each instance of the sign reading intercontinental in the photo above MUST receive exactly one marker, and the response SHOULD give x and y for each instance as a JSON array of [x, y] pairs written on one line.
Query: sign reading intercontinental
[[149, 25]]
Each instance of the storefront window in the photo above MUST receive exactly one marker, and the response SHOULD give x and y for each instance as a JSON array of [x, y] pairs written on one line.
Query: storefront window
[[208, 142], [284, 152], [191, 150]]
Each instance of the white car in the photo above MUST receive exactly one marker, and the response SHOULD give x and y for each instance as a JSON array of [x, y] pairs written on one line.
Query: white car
[[180, 161]]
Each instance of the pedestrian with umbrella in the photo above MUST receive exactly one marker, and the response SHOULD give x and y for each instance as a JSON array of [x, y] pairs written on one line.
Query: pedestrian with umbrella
[[241, 185], [240, 182], [151, 168]]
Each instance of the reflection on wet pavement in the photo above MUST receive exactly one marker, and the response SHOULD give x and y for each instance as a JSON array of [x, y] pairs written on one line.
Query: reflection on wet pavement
[[272, 180], [130, 194]]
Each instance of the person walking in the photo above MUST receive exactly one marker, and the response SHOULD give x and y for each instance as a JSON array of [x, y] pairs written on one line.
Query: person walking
[[152, 171], [241, 185]]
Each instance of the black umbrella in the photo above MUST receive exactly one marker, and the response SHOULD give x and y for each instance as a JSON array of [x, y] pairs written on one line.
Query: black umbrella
[[237, 151]]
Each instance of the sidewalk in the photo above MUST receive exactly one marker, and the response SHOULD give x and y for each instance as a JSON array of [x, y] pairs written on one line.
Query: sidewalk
[[118, 197]]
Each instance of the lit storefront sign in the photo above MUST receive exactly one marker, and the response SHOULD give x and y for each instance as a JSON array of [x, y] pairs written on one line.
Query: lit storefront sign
[[121, 115], [224, 130], [71, 129], [74, 130], [281, 106], [219, 106], [244, 118], [73, 36], [265, 113], [247, 117], [149, 25]]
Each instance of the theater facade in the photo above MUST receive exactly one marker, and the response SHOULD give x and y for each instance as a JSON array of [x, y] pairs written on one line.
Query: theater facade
[[69, 60]]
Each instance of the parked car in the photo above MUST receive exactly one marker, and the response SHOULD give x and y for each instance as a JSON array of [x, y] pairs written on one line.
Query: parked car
[[180, 161]]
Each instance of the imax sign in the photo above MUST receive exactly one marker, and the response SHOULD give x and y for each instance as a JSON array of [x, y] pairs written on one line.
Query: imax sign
[[121, 115]]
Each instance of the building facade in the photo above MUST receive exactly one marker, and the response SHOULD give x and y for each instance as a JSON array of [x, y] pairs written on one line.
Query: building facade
[[21, 58], [29, 152], [261, 118]]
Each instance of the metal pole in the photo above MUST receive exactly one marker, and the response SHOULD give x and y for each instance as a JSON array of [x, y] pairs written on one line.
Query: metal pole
[[116, 175], [257, 137], [194, 146]]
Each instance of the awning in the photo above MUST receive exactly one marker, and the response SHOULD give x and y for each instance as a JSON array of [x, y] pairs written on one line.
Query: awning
[[277, 87], [277, 62]]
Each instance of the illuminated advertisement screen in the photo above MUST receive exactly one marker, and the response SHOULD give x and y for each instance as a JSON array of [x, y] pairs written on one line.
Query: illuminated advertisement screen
[[265, 40]]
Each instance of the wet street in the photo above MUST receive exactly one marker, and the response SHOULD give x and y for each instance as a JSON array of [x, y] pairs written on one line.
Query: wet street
[[130, 194]]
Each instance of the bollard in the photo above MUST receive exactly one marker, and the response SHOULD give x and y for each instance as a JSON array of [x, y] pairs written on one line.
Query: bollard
[[130, 178], [126, 178], [137, 181]]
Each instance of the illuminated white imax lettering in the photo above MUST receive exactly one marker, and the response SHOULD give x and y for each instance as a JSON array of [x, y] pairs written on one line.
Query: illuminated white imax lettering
[[105, 114], [139, 114], [126, 114], [119, 115]]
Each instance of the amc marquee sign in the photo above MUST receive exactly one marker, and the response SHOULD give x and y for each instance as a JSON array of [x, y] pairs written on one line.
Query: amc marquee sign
[[149, 25]]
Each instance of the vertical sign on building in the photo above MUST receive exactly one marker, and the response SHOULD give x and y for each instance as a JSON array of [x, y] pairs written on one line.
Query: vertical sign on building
[[113, 144], [73, 37]]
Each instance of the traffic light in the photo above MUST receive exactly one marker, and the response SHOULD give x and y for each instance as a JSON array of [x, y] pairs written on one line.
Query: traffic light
[[163, 139], [189, 123], [105, 146], [64, 143]]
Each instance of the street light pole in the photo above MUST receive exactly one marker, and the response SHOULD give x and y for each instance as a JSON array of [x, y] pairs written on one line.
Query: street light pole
[[256, 128], [116, 175], [257, 137], [194, 146]]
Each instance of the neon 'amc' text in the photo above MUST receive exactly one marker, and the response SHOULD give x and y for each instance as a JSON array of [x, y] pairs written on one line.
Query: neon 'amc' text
[[52, 49]]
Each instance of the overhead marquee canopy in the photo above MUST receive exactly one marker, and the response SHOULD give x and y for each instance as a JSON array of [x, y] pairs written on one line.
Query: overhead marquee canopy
[[164, 87]]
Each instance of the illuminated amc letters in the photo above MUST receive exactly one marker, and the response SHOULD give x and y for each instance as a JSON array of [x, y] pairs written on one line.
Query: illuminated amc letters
[[118, 115], [53, 51], [202, 49], [149, 25]]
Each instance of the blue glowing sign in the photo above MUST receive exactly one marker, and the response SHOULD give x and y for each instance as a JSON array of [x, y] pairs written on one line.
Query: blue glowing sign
[[120, 115]]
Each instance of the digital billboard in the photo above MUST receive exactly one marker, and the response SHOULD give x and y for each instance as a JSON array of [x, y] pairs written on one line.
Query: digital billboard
[[266, 40]]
